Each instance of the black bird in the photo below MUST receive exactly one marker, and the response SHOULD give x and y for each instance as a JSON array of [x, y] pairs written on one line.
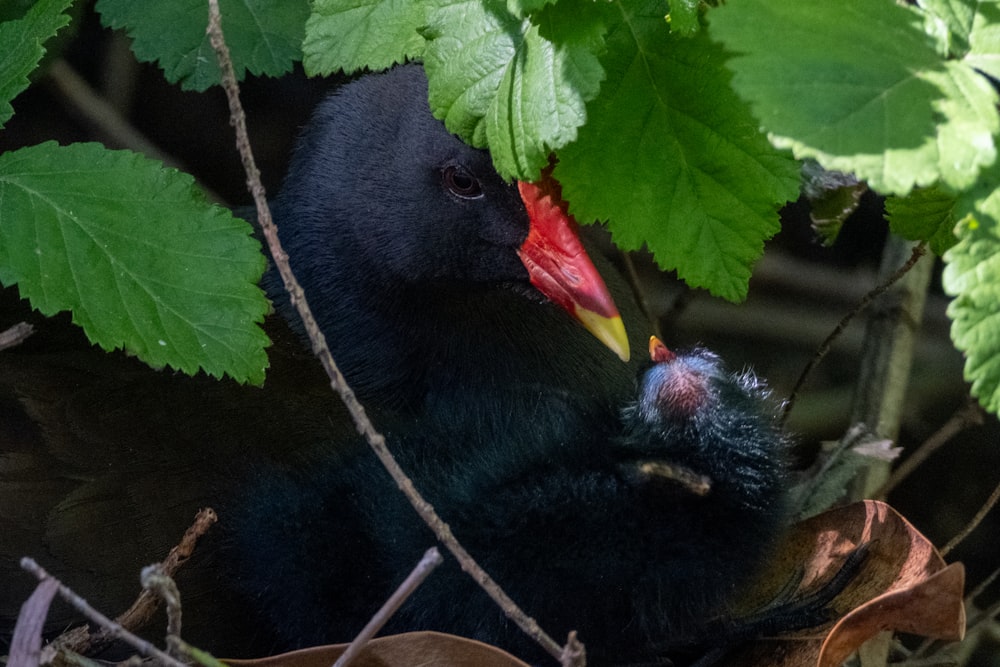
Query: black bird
[[443, 293], [426, 273], [635, 531], [415, 255]]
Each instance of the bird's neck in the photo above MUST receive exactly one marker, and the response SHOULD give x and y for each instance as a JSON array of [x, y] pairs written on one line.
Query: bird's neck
[[400, 347]]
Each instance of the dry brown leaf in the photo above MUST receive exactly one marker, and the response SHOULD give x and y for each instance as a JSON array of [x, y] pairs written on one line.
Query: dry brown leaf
[[932, 608], [903, 584], [403, 650]]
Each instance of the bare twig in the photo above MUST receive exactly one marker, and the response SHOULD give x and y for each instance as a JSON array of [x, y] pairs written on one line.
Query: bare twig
[[15, 335], [361, 421], [154, 578], [81, 640], [827, 344], [432, 558], [981, 587], [79, 604], [974, 522], [699, 485], [887, 355], [105, 118], [640, 294], [969, 415]]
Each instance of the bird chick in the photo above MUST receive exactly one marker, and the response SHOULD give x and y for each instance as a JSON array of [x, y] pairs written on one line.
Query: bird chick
[[576, 520]]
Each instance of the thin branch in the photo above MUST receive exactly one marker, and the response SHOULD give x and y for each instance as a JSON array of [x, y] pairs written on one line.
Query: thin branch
[[15, 335], [974, 523], [984, 618], [635, 282], [432, 558], [79, 604], [106, 119], [154, 578], [827, 344], [969, 415], [361, 421], [970, 598], [81, 640]]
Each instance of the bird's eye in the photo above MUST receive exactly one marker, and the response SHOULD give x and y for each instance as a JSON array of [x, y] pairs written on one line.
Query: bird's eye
[[460, 183]]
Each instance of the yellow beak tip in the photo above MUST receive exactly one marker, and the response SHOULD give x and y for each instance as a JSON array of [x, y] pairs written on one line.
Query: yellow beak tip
[[608, 330]]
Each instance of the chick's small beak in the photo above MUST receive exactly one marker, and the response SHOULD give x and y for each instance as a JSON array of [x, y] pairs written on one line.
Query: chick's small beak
[[560, 268]]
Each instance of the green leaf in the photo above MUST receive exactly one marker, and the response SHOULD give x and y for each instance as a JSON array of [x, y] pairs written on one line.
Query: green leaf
[[871, 94], [264, 36], [670, 157], [949, 22], [926, 214], [21, 48], [683, 16], [516, 86], [984, 38], [523, 8], [833, 196], [349, 35], [138, 255], [972, 276]]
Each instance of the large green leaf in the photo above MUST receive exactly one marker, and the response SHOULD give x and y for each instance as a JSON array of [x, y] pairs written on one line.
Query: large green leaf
[[972, 276], [353, 34], [264, 36], [21, 48], [671, 157], [517, 86], [860, 86], [137, 254]]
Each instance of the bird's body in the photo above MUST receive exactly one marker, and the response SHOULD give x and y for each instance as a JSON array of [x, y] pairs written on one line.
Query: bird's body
[[565, 515]]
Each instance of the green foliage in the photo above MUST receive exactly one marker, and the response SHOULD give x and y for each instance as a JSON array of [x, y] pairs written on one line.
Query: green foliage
[[676, 122], [867, 94], [972, 276], [926, 214], [21, 45], [516, 86], [137, 254], [683, 16], [671, 158], [362, 33], [264, 36], [663, 150]]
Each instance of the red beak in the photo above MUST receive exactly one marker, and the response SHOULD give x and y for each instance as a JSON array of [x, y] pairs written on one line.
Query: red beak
[[560, 268]]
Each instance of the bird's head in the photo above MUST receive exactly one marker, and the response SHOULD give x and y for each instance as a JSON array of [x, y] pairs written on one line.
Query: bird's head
[[677, 386], [379, 187], [701, 426]]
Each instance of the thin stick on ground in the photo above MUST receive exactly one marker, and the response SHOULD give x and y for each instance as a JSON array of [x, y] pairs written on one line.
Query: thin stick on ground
[[361, 421], [82, 640], [117, 631], [827, 344], [432, 558]]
